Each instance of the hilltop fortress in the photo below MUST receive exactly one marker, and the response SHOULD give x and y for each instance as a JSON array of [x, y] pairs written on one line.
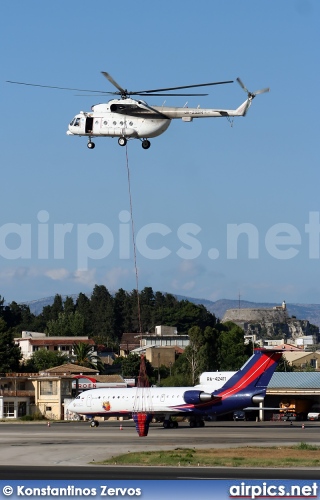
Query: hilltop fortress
[[273, 322]]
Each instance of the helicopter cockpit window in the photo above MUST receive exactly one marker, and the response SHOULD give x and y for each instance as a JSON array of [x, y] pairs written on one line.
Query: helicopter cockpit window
[[76, 122], [72, 122]]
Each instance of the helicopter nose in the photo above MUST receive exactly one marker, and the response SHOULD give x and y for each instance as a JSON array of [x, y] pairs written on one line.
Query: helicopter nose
[[68, 132]]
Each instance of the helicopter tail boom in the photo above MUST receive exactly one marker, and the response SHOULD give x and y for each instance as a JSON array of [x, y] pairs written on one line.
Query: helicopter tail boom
[[243, 108]]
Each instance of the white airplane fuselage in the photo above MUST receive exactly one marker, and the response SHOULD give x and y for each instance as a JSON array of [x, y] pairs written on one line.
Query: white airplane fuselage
[[104, 402], [128, 400]]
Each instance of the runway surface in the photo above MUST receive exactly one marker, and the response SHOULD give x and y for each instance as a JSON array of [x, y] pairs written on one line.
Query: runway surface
[[70, 450]]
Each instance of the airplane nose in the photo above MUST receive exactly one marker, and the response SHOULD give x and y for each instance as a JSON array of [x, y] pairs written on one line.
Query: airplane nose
[[71, 406]]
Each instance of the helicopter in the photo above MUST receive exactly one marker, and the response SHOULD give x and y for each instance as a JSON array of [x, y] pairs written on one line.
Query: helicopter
[[128, 118]]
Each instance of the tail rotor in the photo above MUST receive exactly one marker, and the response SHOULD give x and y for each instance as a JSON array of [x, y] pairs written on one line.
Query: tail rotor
[[251, 95]]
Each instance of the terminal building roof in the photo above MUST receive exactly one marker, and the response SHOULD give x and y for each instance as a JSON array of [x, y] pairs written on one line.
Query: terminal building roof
[[295, 380]]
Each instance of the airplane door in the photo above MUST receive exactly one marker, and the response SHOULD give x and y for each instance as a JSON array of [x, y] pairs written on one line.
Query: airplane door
[[89, 400]]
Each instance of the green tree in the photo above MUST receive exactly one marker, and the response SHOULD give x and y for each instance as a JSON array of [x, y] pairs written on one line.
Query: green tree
[[284, 366], [201, 353], [233, 353], [103, 317], [180, 374], [84, 356], [1, 306], [83, 307], [10, 354], [188, 314], [131, 366], [67, 324], [68, 305], [52, 312], [3, 326], [147, 309], [43, 359], [123, 313]]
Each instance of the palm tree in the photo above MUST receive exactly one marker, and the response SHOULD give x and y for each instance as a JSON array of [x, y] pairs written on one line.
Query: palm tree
[[85, 356]]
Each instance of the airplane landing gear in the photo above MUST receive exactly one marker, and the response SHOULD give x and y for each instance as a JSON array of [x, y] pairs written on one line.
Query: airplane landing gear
[[94, 423], [170, 424], [146, 144], [122, 141], [196, 422]]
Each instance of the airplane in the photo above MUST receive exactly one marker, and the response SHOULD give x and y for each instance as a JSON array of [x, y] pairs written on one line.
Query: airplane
[[128, 118], [247, 386]]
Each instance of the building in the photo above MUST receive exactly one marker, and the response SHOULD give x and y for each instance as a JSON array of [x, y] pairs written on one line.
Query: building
[[49, 392], [17, 395], [164, 336], [30, 342], [302, 359]]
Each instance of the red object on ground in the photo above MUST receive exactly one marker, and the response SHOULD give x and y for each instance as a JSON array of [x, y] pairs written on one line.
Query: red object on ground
[[142, 421]]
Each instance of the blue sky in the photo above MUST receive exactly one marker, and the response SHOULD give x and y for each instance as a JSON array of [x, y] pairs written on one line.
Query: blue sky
[[229, 209]]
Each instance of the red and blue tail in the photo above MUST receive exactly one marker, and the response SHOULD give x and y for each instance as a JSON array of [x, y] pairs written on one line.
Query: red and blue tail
[[254, 376], [246, 387]]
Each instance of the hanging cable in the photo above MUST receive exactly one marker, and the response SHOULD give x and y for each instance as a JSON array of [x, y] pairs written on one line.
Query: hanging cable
[[134, 243]]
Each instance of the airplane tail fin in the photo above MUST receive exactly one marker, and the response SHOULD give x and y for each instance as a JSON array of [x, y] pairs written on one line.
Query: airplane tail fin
[[255, 374]]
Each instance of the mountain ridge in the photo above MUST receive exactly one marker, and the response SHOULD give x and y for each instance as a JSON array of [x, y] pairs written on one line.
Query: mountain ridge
[[310, 312]]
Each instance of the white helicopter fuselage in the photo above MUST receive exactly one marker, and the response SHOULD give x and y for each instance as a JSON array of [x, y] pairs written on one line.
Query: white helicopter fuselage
[[103, 121], [134, 119]]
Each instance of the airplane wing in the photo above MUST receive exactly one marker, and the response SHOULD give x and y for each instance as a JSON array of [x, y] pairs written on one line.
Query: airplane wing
[[251, 408]]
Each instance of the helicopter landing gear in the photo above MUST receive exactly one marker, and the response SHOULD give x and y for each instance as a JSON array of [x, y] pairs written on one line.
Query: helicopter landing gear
[[91, 145], [122, 141], [146, 144]]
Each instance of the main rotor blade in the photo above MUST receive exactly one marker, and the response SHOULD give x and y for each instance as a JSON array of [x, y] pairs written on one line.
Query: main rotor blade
[[143, 95], [54, 87], [139, 92], [111, 80], [168, 95]]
